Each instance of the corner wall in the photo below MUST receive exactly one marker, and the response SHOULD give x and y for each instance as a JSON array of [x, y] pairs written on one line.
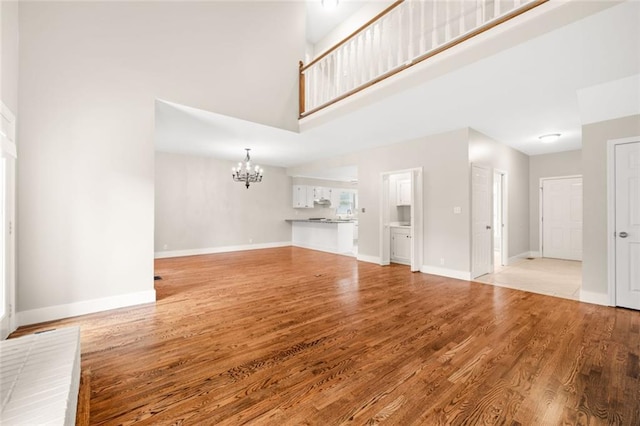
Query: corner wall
[[9, 18], [89, 76], [486, 151], [594, 165]]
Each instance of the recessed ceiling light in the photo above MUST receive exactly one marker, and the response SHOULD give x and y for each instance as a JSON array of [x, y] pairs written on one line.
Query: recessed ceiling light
[[550, 138], [329, 4]]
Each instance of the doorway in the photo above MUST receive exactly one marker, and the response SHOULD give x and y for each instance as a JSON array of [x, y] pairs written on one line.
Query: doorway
[[624, 222], [401, 215]]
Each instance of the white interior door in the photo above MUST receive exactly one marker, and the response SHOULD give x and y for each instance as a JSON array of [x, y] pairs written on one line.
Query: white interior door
[[7, 214], [627, 225], [562, 218], [481, 219]]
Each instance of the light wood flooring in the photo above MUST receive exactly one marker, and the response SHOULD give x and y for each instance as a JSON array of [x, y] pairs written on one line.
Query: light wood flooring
[[290, 336]]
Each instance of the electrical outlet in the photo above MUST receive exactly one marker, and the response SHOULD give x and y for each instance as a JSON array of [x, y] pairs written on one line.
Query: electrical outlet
[[250, 240], [363, 210], [166, 246], [457, 210], [442, 261]]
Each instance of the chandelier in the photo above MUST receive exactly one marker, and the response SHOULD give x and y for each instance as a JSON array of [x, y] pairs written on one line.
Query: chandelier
[[244, 173]]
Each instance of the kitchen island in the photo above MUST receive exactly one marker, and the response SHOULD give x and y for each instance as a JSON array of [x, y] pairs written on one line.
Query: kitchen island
[[330, 235]]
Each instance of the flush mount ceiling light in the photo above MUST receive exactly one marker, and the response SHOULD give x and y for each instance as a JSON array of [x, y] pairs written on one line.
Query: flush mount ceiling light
[[243, 173], [329, 4], [550, 138]]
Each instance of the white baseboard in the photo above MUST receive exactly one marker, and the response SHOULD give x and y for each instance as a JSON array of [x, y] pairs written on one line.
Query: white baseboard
[[519, 257], [224, 249], [444, 272], [50, 313], [595, 298], [368, 259]]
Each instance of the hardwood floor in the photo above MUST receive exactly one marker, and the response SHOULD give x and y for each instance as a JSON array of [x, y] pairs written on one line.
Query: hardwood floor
[[290, 336]]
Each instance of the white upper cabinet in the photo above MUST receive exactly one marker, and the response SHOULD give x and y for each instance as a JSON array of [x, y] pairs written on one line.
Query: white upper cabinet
[[302, 197], [322, 193], [404, 192]]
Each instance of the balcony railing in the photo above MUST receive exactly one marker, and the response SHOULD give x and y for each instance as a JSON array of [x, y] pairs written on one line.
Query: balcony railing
[[404, 34]]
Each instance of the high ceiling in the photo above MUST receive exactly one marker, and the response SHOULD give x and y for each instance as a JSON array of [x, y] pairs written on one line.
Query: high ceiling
[[551, 71]]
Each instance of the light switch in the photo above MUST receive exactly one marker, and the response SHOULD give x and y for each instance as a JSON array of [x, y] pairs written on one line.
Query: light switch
[[457, 210]]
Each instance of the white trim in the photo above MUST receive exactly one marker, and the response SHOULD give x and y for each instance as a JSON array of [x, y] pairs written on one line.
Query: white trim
[[534, 254], [504, 232], [519, 257], [540, 199], [417, 229], [368, 259], [444, 272], [213, 250], [50, 313], [595, 298], [611, 219]]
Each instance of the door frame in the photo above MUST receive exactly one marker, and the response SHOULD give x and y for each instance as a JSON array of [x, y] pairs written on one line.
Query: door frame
[[417, 217], [9, 152], [504, 206], [611, 217], [540, 207]]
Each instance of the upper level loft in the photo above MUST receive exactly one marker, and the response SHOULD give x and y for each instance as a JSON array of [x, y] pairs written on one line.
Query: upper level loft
[[404, 34]]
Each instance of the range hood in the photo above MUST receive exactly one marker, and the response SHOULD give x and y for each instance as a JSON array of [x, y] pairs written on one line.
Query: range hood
[[322, 201]]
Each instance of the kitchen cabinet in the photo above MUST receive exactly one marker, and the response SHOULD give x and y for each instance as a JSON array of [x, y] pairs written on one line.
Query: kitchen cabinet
[[302, 197], [401, 245], [403, 192], [322, 193], [329, 236]]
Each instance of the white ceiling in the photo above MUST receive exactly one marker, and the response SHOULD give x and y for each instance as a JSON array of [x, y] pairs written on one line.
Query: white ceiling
[[321, 21], [513, 96]]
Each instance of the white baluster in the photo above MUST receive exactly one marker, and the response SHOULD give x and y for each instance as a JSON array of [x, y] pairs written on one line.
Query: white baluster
[[315, 85], [462, 17], [410, 48], [422, 30], [435, 37], [400, 40]]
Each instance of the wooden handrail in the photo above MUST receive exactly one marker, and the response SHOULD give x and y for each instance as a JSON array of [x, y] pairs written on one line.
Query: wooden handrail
[[415, 61], [353, 34]]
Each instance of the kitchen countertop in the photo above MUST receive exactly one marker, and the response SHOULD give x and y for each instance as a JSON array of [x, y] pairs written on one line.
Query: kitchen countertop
[[399, 225], [323, 220]]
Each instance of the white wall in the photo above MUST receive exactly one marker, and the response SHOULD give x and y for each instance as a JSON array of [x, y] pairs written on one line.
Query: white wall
[[486, 151], [544, 166], [198, 206], [9, 54], [444, 159], [89, 75], [594, 181]]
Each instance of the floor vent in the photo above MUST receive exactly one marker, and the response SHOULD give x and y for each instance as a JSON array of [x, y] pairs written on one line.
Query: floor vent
[[40, 377]]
